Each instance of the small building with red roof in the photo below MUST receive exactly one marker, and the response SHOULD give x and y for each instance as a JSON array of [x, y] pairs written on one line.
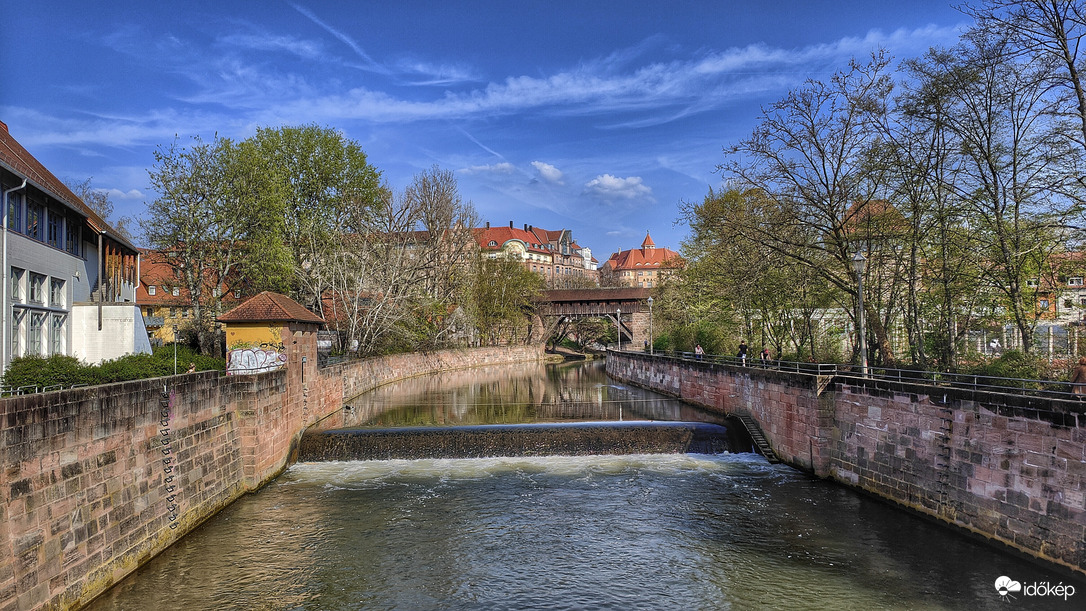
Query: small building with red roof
[[266, 332]]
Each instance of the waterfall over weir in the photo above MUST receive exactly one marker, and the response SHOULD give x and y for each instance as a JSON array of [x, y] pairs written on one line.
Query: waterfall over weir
[[491, 440]]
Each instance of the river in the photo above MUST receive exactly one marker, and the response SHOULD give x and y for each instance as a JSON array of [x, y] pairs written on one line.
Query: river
[[689, 531]]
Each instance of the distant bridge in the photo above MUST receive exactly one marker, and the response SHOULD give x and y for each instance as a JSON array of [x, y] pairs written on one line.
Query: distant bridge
[[627, 307]]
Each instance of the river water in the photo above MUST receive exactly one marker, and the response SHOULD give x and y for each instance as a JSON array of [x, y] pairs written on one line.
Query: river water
[[690, 531]]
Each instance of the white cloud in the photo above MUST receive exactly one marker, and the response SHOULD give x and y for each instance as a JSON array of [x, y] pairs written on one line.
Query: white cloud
[[612, 188], [548, 172], [117, 195], [498, 168]]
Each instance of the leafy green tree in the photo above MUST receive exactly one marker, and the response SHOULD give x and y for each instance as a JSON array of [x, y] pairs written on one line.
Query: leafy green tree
[[503, 298], [317, 181]]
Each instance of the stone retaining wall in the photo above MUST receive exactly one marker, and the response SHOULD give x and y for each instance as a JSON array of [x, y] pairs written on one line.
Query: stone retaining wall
[[1006, 467], [98, 480]]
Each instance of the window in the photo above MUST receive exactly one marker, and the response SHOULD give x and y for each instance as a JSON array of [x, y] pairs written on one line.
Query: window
[[1082, 301], [33, 220], [16, 330], [1074, 281], [15, 211], [56, 293], [55, 229], [1031, 282], [37, 288], [1044, 304], [176, 291], [33, 333], [56, 334], [74, 238], [237, 294], [151, 290], [17, 284], [492, 243]]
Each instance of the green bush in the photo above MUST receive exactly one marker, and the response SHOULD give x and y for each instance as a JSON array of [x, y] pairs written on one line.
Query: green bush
[[1012, 364], [67, 371]]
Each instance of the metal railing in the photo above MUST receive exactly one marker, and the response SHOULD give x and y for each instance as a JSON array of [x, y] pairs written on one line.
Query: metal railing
[[1055, 389]]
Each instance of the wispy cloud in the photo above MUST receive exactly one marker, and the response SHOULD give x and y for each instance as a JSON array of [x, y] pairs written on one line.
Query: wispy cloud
[[611, 188], [498, 168], [345, 39]]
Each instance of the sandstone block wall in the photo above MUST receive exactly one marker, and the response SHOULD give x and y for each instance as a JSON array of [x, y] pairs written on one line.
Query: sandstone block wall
[[96, 481], [1009, 468]]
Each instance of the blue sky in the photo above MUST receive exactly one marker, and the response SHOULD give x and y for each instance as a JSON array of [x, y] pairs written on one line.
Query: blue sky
[[597, 116]]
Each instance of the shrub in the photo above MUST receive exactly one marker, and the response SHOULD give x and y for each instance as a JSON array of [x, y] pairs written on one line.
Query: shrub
[[38, 371], [67, 371]]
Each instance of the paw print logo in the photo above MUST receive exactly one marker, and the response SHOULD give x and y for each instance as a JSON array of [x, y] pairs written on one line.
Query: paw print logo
[[1005, 586]]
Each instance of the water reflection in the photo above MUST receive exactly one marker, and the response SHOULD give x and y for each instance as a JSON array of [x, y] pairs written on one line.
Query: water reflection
[[510, 394]]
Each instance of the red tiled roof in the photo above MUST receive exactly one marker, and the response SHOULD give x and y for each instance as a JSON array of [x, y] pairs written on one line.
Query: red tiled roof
[[647, 257], [501, 235], [23, 163], [269, 306], [648, 241]]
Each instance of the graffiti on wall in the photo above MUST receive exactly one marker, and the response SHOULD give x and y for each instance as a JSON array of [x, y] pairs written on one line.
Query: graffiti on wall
[[254, 360]]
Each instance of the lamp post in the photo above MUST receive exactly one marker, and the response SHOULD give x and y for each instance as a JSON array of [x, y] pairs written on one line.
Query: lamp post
[[858, 263], [175, 349], [650, 325], [618, 326]]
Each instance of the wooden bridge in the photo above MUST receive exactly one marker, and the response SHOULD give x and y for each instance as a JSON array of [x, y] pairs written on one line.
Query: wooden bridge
[[626, 307]]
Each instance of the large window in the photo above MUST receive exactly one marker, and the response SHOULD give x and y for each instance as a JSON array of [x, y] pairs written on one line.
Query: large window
[[17, 284], [16, 331], [34, 221], [56, 334], [56, 293], [55, 229], [15, 211], [37, 288], [73, 238], [33, 333]]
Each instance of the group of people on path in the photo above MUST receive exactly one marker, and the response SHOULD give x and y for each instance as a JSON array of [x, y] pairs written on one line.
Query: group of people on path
[[763, 356]]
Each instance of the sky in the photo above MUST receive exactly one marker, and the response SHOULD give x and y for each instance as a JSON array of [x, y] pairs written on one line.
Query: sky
[[597, 116]]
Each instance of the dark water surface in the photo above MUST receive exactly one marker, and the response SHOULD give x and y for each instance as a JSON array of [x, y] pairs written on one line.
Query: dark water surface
[[590, 532]]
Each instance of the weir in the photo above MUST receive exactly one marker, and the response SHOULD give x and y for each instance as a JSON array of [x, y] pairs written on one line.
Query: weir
[[484, 441]]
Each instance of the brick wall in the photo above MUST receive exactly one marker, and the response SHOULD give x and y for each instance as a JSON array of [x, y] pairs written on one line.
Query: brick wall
[[98, 480], [1006, 467]]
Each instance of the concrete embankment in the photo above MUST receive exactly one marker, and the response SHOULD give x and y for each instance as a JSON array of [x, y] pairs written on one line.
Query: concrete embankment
[[98, 480], [1011, 469]]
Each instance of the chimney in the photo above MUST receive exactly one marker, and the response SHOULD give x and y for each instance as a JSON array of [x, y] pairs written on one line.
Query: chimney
[[510, 224], [488, 224], [525, 226]]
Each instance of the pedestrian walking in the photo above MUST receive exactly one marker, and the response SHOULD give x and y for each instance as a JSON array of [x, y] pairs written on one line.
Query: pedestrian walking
[[764, 355], [698, 352], [743, 351]]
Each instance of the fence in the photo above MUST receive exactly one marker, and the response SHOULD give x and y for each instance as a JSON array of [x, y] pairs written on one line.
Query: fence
[[1034, 388]]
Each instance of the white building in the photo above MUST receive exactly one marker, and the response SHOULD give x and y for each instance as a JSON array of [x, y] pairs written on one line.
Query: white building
[[69, 279]]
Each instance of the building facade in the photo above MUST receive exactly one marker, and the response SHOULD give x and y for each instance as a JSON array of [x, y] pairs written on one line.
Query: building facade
[[643, 267], [555, 255], [69, 284]]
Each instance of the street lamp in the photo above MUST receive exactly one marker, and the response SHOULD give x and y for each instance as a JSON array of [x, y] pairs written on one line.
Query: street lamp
[[650, 324], [858, 263], [618, 326]]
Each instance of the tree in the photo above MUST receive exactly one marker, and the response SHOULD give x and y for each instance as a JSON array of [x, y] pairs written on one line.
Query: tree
[[808, 155], [207, 221], [320, 181], [1015, 168], [503, 298], [99, 201]]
